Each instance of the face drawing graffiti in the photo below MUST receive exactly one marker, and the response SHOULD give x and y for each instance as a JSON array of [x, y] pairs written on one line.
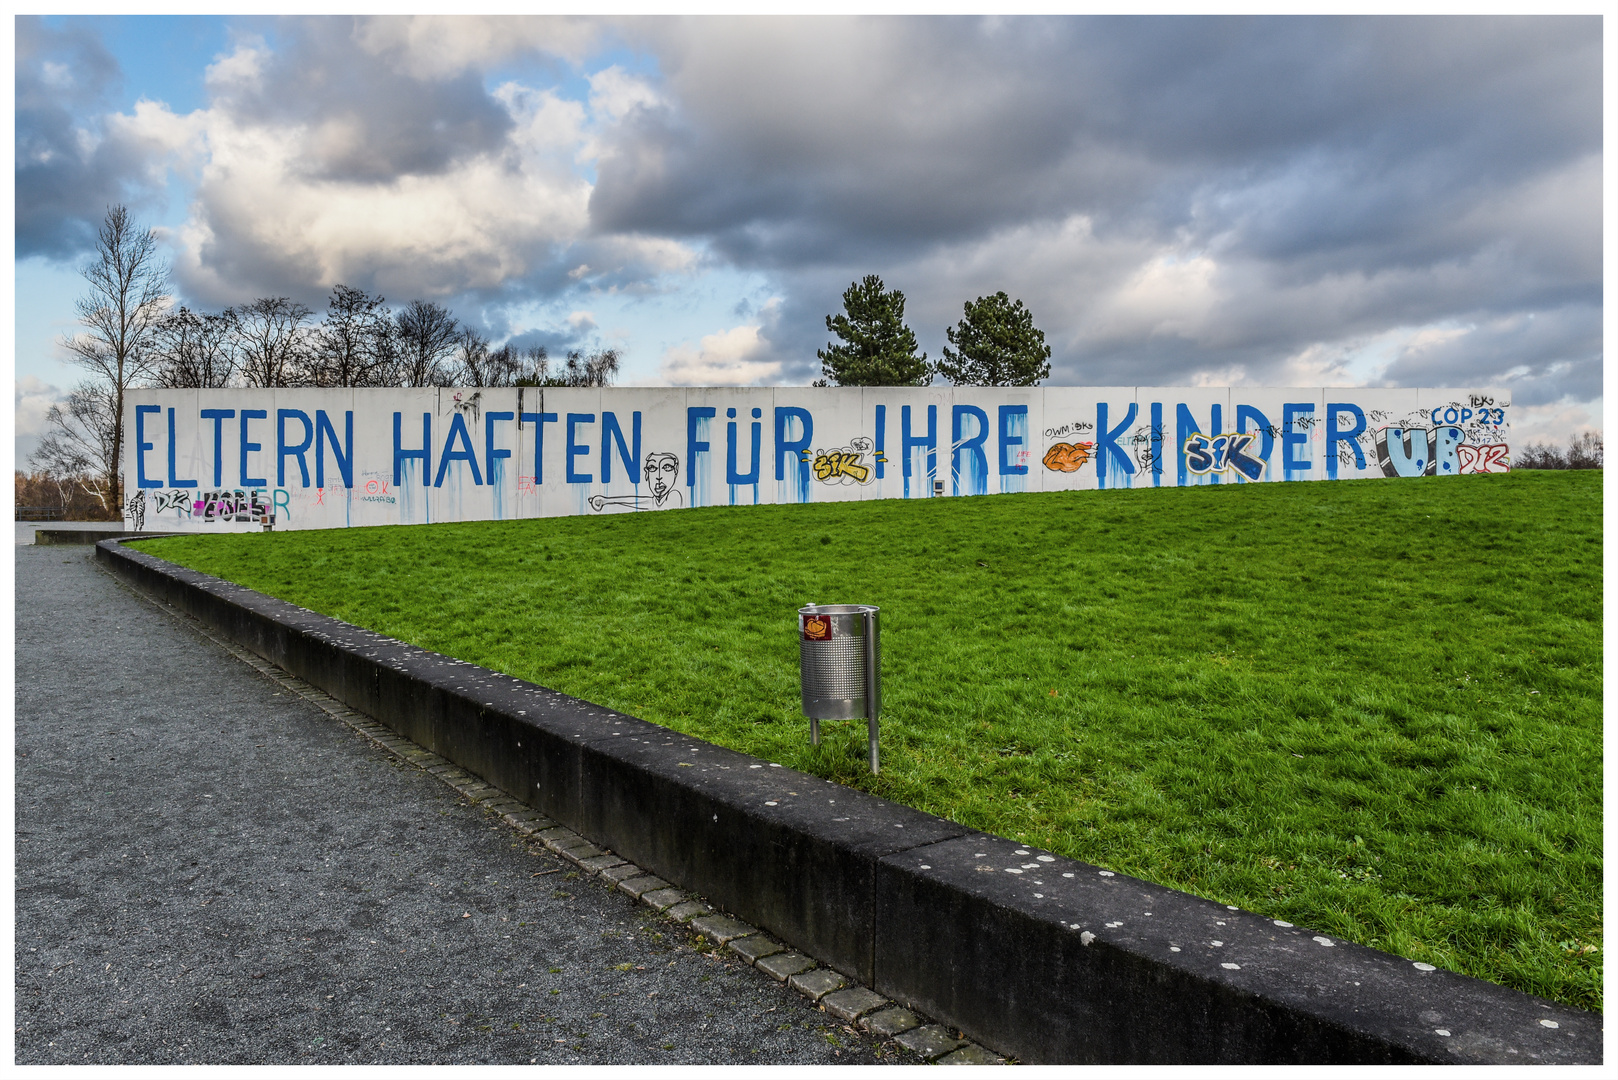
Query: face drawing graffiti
[[661, 475], [662, 470]]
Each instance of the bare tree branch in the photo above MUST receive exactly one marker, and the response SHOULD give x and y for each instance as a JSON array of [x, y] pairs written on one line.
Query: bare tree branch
[[426, 333], [81, 441], [128, 294], [191, 350], [471, 358], [269, 335], [354, 346]]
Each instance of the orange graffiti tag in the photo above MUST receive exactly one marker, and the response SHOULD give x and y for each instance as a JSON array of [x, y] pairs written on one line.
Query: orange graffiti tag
[[1067, 457]]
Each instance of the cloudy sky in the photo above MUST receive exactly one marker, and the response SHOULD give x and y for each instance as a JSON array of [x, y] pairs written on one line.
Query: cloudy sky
[[1251, 201]]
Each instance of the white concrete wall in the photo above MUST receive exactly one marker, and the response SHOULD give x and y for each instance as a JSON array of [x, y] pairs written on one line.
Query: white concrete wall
[[317, 459]]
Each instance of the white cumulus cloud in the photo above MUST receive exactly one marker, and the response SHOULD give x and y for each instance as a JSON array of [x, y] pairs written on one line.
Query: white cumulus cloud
[[268, 218], [33, 399], [731, 357]]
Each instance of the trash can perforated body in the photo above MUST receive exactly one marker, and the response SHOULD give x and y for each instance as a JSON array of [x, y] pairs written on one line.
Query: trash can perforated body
[[839, 660]]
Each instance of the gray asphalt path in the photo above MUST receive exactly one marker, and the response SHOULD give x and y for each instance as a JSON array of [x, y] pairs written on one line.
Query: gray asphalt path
[[211, 869]]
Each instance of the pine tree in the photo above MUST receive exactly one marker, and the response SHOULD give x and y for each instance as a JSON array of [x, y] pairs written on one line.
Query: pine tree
[[878, 348], [998, 344]]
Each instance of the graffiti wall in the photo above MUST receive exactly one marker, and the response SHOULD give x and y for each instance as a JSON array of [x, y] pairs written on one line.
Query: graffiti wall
[[318, 459]]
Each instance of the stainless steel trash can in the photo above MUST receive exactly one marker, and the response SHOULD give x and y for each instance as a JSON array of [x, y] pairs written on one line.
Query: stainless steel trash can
[[840, 667]]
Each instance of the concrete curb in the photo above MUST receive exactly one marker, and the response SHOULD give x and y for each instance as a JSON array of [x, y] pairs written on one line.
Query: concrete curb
[[1037, 956], [56, 537]]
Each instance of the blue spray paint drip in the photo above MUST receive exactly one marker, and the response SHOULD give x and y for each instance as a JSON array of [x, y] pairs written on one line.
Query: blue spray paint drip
[[405, 487], [1112, 461], [1013, 433], [977, 462], [697, 477]]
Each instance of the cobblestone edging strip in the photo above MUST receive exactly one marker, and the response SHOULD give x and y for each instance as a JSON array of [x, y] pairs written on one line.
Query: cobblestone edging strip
[[1037, 956]]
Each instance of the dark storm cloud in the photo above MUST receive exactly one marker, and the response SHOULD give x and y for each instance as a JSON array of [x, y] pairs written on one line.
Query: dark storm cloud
[[1172, 197], [67, 171], [366, 118], [1348, 175], [1562, 347], [790, 141]]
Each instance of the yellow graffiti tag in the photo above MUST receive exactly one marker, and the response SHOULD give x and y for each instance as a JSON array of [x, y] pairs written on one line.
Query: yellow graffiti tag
[[838, 463]]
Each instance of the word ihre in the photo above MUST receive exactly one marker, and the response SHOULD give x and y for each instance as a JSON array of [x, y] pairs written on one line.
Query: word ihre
[[1228, 452]]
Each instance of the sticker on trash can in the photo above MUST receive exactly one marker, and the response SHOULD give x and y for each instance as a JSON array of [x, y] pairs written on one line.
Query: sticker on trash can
[[816, 628]]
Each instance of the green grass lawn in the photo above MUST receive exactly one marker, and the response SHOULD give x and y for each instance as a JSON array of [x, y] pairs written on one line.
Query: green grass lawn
[[1371, 708]]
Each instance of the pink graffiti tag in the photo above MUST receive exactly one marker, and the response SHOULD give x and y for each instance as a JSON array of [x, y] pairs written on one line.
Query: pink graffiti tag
[[1491, 458], [320, 496]]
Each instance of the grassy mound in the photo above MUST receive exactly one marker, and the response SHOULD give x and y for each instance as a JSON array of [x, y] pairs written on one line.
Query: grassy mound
[[1369, 708]]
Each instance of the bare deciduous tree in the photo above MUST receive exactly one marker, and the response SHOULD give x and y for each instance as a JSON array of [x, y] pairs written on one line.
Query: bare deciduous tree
[[128, 295], [82, 441], [269, 335], [1584, 451], [426, 334], [536, 367], [354, 345], [191, 350], [597, 369], [478, 365], [505, 366], [471, 358]]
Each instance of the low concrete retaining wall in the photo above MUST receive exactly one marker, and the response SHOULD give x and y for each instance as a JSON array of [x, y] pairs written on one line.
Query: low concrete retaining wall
[[1031, 954], [48, 537]]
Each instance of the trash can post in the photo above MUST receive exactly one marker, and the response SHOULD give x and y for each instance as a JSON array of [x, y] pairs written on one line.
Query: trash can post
[[873, 686]]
